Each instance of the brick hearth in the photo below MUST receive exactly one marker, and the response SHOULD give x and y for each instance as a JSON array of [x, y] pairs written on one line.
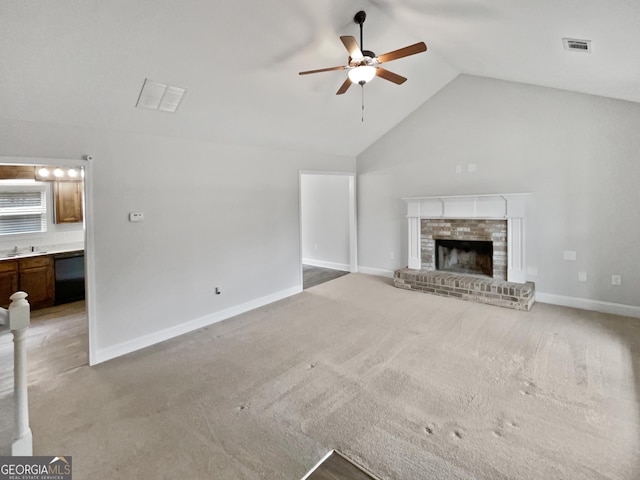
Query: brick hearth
[[519, 296]]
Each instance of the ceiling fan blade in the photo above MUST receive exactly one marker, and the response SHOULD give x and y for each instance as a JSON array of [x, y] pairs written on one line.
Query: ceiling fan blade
[[352, 47], [403, 52], [322, 70], [392, 77], [345, 86]]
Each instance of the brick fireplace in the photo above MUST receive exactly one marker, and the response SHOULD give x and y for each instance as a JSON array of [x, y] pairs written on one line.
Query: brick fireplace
[[464, 231], [470, 247]]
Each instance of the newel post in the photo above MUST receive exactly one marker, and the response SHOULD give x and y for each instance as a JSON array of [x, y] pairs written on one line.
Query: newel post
[[19, 320]]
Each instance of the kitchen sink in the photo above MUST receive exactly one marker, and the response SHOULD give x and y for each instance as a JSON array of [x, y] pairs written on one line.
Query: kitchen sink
[[23, 254]]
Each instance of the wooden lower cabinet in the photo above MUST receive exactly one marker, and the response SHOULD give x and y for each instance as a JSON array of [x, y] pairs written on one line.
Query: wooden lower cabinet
[[37, 279], [9, 277], [33, 275]]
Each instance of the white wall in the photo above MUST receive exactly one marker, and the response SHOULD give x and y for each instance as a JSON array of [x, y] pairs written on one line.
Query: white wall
[[325, 220], [55, 234], [577, 154], [215, 216]]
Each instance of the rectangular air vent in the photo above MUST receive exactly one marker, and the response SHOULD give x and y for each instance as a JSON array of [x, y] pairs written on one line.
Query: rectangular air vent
[[159, 96], [576, 45]]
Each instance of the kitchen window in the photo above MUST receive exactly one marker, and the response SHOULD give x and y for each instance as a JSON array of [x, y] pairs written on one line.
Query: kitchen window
[[23, 209]]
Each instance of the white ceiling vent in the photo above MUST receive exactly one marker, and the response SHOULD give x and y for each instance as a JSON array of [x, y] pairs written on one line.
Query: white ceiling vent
[[159, 96], [576, 45]]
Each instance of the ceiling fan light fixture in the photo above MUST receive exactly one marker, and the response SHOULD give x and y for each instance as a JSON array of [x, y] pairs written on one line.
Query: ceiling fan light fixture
[[362, 74]]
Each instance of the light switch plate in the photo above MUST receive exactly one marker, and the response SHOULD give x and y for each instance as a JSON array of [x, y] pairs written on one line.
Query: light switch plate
[[582, 276], [616, 280], [570, 255], [136, 216]]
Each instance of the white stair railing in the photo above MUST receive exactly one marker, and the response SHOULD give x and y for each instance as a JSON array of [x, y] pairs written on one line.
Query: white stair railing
[[18, 318]]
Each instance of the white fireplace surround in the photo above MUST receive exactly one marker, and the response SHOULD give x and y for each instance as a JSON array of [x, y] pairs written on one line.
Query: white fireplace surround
[[501, 206]]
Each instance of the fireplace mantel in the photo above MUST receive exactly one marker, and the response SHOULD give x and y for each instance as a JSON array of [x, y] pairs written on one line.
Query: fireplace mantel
[[505, 206]]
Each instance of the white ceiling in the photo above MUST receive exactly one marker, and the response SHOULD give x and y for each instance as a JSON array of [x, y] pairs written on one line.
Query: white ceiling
[[83, 62]]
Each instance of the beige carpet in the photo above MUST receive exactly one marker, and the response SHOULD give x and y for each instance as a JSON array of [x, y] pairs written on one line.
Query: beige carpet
[[409, 385]]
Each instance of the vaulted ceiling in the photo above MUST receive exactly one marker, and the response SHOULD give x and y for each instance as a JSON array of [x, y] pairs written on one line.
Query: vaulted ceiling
[[83, 62]]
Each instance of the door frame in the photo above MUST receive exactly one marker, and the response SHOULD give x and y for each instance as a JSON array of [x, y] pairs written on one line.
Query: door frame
[[353, 216], [90, 290]]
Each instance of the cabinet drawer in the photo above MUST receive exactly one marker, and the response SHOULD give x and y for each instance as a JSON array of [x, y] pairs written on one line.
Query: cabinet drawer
[[33, 262], [9, 266]]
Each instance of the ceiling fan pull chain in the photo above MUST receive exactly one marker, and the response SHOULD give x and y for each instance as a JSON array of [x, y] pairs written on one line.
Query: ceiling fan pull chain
[[362, 87]]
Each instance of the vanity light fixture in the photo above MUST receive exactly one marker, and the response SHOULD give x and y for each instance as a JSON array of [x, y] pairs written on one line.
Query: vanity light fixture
[[50, 173]]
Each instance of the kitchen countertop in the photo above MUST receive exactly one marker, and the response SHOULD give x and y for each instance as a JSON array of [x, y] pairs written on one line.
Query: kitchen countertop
[[25, 252]]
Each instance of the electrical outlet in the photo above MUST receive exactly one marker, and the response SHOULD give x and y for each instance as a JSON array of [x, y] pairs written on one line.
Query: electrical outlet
[[582, 276], [391, 255], [616, 280], [136, 216], [458, 168], [570, 255]]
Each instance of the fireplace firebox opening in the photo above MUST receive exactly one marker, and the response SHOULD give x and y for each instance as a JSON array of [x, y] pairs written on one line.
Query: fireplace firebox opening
[[465, 256]]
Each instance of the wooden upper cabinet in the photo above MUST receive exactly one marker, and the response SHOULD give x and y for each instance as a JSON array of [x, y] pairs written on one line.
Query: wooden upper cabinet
[[68, 201], [16, 172]]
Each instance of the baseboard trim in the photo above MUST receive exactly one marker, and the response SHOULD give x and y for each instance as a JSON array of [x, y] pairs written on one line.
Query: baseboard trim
[[108, 353], [587, 304], [379, 272], [345, 267]]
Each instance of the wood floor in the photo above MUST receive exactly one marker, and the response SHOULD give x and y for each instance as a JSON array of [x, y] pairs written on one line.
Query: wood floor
[[312, 276], [338, 467], [56, 343]]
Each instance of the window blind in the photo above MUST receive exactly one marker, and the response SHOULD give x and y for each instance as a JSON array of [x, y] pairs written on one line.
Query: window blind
[[23, 211]]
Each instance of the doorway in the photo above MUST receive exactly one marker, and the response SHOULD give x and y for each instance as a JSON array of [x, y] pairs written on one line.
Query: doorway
[[328, 240], [77, 317]]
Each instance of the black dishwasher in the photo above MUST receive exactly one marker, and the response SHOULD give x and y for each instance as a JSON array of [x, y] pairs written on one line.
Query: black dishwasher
[[69, 274]]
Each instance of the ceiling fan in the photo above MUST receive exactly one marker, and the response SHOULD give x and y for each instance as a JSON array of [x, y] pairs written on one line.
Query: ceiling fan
[[364, 65]]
